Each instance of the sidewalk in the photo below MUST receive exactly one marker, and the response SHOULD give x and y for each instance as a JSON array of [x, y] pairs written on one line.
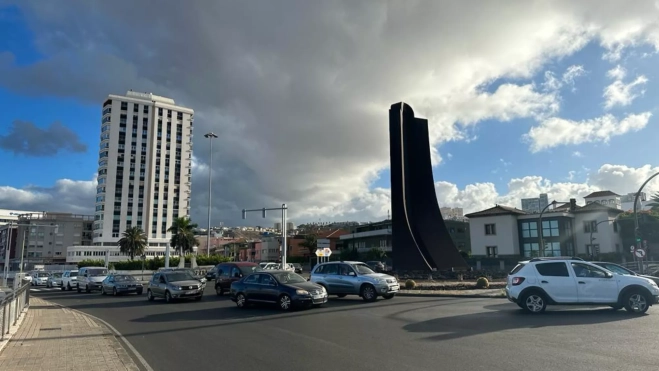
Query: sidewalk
[[56, 338]]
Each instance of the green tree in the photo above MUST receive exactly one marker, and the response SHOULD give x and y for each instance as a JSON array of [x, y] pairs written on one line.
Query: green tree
[[183, 238], [133, 242], [648, 223], [376, 253], [654, 202], [310, 242]]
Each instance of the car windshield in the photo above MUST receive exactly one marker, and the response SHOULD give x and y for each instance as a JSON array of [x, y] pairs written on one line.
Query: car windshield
[[73, 274], [42, 274], [124, 277], [249, 269], [179, 276], [57, 275], [98, 272], [288, 278], [362, 269], [188, 271]]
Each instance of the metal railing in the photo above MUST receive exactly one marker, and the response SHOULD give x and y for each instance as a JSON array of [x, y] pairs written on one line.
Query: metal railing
[[12, 306]]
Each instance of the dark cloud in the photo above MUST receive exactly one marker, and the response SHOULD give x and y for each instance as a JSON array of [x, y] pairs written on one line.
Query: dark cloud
[[298, 91], [27, 139]]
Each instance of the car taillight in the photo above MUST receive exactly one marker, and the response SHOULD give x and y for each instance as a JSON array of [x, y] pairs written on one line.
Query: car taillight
[[517, 280]]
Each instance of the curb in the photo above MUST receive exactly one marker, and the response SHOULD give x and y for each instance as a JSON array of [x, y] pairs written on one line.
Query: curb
[[468, 296], [140, 361], [13, 330]]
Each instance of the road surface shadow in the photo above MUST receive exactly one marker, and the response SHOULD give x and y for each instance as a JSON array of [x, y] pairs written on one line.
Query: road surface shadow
[[503, 317]]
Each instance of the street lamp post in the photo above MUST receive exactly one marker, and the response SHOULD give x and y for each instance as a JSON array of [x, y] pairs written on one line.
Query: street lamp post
[[283, 209], [637, 230], [592, 229], [210, 137], [541, 247]]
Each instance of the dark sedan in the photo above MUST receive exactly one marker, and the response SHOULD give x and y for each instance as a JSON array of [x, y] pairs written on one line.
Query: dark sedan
[[121, 284], [616, 268], [285, 288]]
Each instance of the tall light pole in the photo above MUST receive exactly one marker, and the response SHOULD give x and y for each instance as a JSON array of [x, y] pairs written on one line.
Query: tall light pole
[[210, 137], [637, 229]]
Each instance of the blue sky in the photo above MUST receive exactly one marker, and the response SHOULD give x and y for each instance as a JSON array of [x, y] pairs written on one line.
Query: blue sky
[[37, 39]]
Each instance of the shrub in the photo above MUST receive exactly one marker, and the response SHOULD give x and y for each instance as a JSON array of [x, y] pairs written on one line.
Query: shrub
[[482, 283], [410, 284], [91, 263]]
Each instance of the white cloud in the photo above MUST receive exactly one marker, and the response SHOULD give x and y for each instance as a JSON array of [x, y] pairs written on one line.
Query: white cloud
[[73, 196], [556, 132], [617, 73], [571, 74], [621, 94], [300, 93], [577, 154]]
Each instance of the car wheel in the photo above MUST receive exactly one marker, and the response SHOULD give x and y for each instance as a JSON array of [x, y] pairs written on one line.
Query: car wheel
[[114, 291], [285, 302], [63, 288], [68, 287], [636, 302], [534, 302], [368, 293], [102, 290], [241, 301], [168, 297], [149, 295], [78, 288], [340, 295], [388, 296], [87, 289], [219, 291]]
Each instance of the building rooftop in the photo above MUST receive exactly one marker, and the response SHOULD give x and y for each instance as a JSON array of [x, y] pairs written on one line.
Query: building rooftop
[[601, 194], [497, 210]]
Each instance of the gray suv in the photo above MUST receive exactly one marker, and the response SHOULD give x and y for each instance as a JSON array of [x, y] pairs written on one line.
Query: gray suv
[[354, 278], [176, 284], [90, 278]]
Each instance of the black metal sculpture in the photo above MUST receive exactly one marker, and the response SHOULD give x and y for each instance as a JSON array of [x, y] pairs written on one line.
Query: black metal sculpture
[[420, 239]]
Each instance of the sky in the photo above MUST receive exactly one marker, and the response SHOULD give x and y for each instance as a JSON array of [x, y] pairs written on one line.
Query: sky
[[522, 98]]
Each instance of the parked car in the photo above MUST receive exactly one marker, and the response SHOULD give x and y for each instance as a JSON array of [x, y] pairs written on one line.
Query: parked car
[[54, 280], [616, 268], [211, 274], [227, 273], [297, 267], [69, 280], [90, 278], [121, 284], [539, 282], [40, 278], [173, 285], [377, 266], [354, 278], [285, 288]]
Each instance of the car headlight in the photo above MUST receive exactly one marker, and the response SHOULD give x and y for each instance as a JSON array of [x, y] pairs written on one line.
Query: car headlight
[[177, 287], [322, 289], [379, 280], [302, 292]]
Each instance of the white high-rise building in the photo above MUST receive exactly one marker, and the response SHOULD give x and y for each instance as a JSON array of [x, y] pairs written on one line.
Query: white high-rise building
[[144, 167]]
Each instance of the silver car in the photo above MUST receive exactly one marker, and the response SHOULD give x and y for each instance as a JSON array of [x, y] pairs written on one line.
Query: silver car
[[90, 278], [173, 285], [54, 280], [354, 278]]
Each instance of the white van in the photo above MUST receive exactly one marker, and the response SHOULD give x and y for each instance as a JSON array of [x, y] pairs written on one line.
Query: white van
[[90, 278]]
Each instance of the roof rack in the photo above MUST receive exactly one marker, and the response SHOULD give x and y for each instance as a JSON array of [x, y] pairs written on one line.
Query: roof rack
[[556, 258]]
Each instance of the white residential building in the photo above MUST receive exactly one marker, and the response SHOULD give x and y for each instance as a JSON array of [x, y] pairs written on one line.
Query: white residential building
[[76, 254], [451, 212], [606, 198], [506, 231], [11, 216], [628, 202], [144, 167]]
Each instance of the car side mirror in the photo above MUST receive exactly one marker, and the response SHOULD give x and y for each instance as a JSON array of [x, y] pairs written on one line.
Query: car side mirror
[[352, 274], [609, 275]]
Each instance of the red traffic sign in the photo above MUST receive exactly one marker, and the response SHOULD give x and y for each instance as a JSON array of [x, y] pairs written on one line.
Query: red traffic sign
[[640, 253]]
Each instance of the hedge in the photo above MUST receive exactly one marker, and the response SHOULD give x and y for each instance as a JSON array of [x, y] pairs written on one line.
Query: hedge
[[152, 264]]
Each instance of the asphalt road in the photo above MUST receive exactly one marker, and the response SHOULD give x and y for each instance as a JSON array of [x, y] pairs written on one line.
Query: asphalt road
[[401, 334]]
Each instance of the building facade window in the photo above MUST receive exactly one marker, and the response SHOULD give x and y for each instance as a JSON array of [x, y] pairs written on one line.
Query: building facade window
[[552, 249], [590, 226], [550, 228], [530, 229], [492, 251], [531, 250], [490, 229]]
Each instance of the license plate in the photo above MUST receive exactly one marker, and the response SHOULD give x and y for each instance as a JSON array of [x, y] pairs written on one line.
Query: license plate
[[190, 292], [395, 287], [318, 296]]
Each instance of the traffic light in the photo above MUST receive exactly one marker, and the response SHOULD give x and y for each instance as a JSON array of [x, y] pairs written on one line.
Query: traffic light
[[264, 212], [573, 204]]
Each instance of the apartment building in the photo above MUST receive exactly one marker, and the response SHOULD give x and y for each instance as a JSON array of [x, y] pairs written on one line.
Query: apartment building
[[43, 237], [144, 167]]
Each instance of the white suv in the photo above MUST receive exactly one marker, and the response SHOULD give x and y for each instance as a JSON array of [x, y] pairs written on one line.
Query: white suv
[[539, 282]]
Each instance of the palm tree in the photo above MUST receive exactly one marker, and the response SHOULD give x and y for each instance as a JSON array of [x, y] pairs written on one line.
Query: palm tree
[[133, 242], [654, 202], [310, 242], [183, 238]]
